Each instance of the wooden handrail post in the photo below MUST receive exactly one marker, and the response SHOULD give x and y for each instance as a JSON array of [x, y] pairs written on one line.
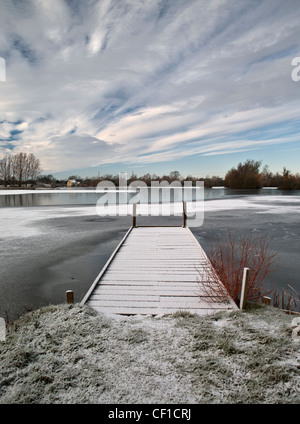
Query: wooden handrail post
[[244, 288], [70, 296], [184, 214], [266, 300], [134, 215]]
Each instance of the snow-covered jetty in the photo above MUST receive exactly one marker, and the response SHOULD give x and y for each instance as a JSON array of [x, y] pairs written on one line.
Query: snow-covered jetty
[[156, 271]]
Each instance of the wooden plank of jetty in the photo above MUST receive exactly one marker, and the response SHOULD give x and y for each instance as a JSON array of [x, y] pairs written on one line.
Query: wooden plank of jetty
[[157, 271]]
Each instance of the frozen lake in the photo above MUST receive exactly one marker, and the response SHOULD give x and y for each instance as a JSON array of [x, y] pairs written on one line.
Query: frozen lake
[[13, 198], [55, 241]]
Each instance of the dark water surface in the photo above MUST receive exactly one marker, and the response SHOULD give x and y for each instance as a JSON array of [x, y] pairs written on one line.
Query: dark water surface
[[90, 197], [48, 245]]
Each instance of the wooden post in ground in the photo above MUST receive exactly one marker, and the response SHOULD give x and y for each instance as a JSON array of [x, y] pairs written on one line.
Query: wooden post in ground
[[266, 300], [134, 215], [244, 288], [70, 296], [184, 214]]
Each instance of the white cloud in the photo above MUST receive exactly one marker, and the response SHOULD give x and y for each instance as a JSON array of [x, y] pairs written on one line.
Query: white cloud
[[145, 81]]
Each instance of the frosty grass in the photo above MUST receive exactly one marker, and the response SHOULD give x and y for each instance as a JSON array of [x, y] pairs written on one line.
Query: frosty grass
[[70, 354]]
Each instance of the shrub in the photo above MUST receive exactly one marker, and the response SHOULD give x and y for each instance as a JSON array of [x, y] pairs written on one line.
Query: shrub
[[229, 258], [245, 176]]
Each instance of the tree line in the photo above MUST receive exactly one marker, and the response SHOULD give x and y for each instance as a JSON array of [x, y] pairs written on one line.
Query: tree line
[[19, 169], [147, 178], [24, 168], [248, 175], [90, 182]]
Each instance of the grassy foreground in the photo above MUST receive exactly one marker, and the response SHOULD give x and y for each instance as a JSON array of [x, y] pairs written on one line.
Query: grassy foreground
[[69, 354]]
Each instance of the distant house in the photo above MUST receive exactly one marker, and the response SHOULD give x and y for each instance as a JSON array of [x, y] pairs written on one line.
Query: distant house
[[72, 183]]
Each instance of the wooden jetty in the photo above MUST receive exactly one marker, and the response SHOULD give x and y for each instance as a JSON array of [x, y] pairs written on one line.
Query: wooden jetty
[[156, 271]]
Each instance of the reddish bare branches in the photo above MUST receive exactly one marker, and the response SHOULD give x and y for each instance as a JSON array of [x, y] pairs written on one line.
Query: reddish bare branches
[[229, 258]]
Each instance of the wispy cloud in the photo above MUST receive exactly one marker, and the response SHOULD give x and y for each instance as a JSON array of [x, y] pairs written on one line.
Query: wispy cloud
[[107, 81]]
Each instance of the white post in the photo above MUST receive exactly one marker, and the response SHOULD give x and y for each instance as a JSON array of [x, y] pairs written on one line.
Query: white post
[[244, 288]]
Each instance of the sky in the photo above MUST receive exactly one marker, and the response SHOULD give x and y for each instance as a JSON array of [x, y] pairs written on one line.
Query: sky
[[150, 86]]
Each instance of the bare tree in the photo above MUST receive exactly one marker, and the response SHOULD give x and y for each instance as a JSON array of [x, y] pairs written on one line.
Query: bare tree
[[33, 167], [5, 169], [174, 175], [21, 167]]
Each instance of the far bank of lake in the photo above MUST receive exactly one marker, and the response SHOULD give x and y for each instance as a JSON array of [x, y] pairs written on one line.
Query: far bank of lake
[[82, 196]]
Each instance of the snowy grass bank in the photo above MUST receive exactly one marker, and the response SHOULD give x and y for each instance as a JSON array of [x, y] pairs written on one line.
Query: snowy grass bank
[[69, 354]]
